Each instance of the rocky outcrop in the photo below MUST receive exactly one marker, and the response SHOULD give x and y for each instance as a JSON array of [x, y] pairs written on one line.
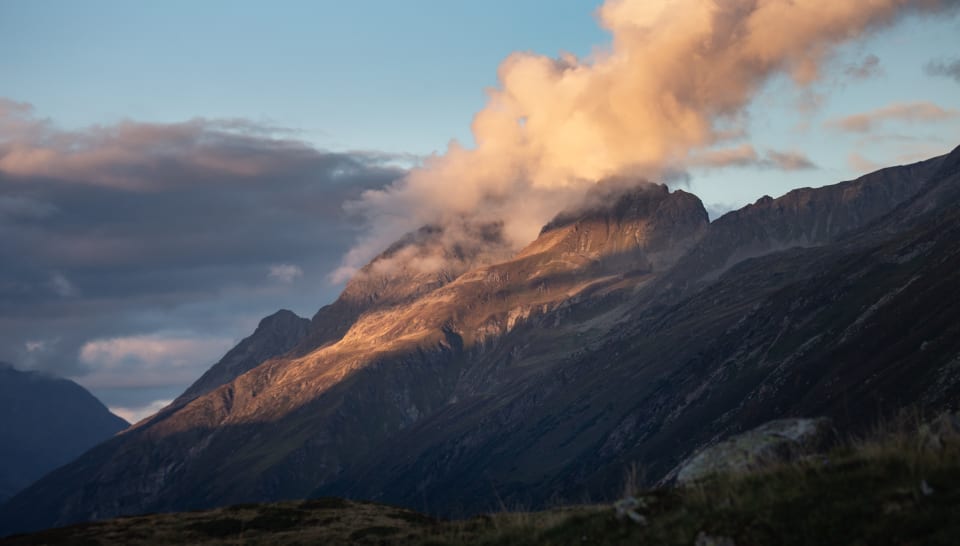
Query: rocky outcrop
[[774, 442], [45, 422]]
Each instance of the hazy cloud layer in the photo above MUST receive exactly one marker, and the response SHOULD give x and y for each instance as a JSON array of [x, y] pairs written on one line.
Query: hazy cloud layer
[[948, 68], [114, 236], [911, 112], [679, 74]]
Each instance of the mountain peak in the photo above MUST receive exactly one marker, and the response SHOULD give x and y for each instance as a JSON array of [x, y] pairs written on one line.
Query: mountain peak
[[275, 334], [627, 222], [281, 319]]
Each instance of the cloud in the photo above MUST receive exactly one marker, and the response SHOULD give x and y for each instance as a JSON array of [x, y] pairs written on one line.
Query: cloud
[[285, 273], [746, 155], [861, 164], [911, 112], [867, 68], [13, 208], [790, 161], [148, 360], [947, 68], [135, 414], [660, 97], [142, 227], [62, 286]]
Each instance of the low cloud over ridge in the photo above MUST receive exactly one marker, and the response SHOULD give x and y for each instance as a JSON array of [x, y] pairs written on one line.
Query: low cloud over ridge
[[678, 76]]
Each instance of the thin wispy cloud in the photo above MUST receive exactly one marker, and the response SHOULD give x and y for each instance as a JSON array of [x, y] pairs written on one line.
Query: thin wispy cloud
[[861, 164], [949, 68], [911, 112], [285, 273], [866, 68], [746, 155]]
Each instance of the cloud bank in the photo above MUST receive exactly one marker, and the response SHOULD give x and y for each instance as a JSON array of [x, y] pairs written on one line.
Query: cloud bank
[[127, 231], [673, 86]]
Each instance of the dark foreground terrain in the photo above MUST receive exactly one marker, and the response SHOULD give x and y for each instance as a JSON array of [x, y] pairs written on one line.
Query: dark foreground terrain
[[894, 488]]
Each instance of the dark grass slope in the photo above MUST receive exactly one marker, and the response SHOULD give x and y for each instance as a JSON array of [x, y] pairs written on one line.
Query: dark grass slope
[[900, 487]]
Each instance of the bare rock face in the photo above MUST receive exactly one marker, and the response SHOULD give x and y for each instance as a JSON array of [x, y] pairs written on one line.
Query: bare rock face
[[777, 441]]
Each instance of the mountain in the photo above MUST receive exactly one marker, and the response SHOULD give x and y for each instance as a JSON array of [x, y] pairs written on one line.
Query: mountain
[[274, 336], [632, 331], [44, 423]]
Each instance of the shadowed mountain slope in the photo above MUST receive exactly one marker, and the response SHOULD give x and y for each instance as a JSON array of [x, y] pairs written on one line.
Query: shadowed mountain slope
[[630, 331], [45, 422]]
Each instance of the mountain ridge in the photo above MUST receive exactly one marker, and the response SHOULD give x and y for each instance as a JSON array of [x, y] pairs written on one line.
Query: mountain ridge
[[45, 422], [538, 376]]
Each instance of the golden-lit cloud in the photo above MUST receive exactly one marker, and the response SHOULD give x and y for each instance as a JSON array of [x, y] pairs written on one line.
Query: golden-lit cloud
[[661, 98]]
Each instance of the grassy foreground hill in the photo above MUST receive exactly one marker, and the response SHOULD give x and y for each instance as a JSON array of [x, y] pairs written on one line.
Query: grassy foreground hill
[[894, 488]]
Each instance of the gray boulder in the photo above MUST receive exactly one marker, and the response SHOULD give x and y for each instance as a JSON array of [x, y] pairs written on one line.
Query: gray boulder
[[776, 441]]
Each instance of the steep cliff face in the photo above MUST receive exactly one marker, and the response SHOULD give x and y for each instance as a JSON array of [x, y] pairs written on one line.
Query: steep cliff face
[[44, 423], [631, 330]]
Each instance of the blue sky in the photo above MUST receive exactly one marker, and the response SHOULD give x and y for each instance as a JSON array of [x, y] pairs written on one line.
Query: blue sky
[[92, 269], [393, 76], [405, 77]]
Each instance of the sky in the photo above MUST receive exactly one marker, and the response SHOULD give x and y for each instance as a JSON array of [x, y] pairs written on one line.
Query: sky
[[171, 172]]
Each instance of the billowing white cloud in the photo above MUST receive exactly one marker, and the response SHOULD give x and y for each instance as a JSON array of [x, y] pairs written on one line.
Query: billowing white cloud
[[678, 75]]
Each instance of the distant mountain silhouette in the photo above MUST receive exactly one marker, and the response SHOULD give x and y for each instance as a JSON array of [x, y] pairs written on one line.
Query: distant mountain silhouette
[[45, 422]]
